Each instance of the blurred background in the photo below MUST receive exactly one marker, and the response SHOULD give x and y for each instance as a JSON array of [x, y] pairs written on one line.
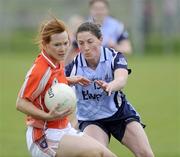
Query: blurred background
[[153, 88], [151, 24]]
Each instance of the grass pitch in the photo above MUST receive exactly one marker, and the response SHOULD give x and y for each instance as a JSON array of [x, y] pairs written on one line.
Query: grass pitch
[[152, 88]]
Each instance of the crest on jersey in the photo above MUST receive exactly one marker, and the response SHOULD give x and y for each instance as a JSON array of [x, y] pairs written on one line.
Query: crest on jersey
[[42, 143], [55, 81]]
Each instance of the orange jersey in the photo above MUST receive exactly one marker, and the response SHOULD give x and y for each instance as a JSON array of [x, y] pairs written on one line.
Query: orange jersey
[[38, 80]]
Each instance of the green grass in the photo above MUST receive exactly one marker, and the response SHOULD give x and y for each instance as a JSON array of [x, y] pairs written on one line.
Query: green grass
[[152, 88]]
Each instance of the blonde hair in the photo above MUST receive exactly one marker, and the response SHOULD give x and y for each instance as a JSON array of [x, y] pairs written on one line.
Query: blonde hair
[[49, 28]]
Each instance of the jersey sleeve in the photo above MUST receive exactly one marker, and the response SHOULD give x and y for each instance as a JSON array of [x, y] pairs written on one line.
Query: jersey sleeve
[[120, 62], [35, 82]]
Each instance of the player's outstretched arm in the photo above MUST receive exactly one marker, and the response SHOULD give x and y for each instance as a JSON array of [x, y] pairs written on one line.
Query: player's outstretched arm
[[120, 79]]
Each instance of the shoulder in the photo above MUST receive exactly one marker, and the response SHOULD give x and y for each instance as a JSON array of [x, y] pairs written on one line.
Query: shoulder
[[118, 55], [39, 68], [120, 61], [110, 51], [36, 79]]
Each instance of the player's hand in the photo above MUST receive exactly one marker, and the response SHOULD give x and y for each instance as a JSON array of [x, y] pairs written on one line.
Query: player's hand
[[105, 86], [55, 114], [79, 80]]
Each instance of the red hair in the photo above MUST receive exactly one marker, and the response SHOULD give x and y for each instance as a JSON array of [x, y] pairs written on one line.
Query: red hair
[[49, 28]]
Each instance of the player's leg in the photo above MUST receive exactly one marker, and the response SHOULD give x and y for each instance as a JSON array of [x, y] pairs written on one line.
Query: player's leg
[[97, 133], [82, 146], [136, 140]]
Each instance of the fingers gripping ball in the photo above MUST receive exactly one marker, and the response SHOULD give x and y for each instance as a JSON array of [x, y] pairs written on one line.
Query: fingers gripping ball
[[60, 94]]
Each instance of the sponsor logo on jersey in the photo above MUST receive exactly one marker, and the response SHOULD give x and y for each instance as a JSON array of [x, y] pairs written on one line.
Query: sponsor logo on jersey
[[122, 61], [87, 95]]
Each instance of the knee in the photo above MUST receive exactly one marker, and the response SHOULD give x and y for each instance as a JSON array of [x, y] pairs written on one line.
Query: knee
[[99, 152], [94, 152], [145, 153]]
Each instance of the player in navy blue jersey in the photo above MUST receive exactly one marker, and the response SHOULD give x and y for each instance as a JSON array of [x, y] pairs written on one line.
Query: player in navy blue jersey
[[99, 75]]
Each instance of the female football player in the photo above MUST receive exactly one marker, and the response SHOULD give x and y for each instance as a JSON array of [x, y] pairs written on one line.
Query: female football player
[[49, 133], [102, 108]]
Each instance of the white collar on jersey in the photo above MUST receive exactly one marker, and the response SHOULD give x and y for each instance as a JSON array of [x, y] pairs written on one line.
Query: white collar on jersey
[[44, 54], [103, 57]]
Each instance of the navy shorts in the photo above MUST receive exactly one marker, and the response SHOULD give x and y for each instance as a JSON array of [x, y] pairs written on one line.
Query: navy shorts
[[116, 124]]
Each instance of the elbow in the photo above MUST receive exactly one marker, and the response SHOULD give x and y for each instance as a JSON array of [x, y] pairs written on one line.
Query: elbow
[[18, 104], [123, 84]]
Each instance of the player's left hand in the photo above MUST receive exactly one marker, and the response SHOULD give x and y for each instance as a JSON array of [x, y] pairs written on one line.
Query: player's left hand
[[105, 86]]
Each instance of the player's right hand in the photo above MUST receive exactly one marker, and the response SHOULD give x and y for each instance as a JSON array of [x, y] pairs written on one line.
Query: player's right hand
[[55, 114], [79, 80]]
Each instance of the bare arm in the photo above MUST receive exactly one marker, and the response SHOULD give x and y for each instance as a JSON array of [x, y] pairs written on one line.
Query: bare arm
[[120, 79], [28, 108]]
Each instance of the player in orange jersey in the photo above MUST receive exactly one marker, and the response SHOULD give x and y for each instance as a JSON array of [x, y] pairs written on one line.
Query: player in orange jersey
[[49, 133]]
